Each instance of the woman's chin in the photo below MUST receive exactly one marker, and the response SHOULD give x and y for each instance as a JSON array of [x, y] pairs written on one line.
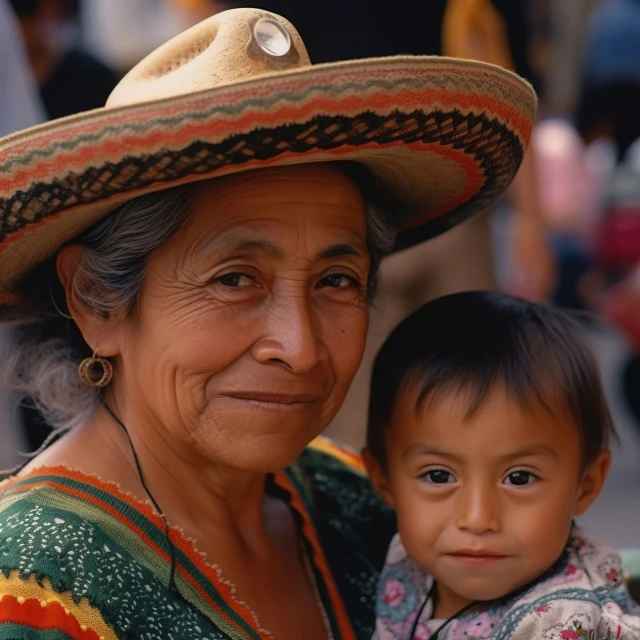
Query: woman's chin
[[261, 451], [272, 460]]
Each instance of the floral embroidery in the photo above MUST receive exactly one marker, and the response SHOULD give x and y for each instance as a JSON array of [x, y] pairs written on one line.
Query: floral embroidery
[[577, 627], [422, 633], [480, 626], [610, 571], [394, 593], [398, 598]]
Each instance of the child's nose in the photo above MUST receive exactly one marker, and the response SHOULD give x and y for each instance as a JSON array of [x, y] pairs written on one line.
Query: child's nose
[[478, 510]]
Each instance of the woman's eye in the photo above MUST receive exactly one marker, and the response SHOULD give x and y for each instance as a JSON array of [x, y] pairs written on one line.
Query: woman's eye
[[439, 476], [235, 280], [520, 478], [338, 281]]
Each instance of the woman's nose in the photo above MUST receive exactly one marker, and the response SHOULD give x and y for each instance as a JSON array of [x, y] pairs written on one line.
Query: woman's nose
[[293, 336], [478, 510]]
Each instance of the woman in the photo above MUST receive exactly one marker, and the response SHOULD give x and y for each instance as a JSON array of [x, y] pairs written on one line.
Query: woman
[[191, 267]]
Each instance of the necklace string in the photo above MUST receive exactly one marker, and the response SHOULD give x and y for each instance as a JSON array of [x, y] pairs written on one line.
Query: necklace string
[[172, 571], [455, 616]]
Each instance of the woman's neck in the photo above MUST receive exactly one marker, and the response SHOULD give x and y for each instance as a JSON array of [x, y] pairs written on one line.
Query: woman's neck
[[206, 499], [197, 492]]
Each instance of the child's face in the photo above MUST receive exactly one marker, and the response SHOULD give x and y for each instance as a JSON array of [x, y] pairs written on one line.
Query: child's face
[[484, 504]]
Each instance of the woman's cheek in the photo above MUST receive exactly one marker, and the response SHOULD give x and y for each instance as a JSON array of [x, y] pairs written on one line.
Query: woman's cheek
[[345, 334]]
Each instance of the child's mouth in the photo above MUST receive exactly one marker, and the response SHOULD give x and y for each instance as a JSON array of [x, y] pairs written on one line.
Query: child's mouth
[[476, 557]]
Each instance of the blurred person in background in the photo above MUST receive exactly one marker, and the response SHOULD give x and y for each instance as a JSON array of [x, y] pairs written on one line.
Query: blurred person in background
[[571, 186], [122, 32], [20, 107], [608, 109], [558, 46], [610, 95], [70, 79]]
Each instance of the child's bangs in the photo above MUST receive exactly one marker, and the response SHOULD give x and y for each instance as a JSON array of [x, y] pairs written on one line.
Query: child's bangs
[[536, 365]]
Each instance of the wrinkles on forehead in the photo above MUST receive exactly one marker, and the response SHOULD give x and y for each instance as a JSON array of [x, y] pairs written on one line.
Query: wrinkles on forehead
[[313, 212], [249, 238]]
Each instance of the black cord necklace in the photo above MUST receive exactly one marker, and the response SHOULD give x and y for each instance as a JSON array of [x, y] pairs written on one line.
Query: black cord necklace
[[172, 583], [455, 616]]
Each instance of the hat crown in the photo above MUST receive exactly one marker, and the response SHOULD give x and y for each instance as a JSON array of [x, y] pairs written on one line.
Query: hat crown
[[230, 47]]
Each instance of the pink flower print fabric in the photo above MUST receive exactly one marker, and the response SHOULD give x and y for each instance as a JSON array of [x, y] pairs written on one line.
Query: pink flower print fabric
[[583, 596]]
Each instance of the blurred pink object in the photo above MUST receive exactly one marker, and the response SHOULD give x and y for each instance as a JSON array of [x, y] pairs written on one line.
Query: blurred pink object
[[569, 191], [621, 307]]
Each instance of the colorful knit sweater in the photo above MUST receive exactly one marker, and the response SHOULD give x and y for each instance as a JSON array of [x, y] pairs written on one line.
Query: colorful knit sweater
[[81, 560], [582, 597]]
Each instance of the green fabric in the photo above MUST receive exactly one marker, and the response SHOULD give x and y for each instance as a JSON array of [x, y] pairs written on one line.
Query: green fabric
[[20, 632], [631, 565], [66, 533]]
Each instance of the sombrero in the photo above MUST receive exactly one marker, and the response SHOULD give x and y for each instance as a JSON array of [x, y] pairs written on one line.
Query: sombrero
[[237, 92]]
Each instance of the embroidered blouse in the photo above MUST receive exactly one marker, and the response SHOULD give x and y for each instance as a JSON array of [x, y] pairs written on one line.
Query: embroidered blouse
[[81, 560], [583, 596]]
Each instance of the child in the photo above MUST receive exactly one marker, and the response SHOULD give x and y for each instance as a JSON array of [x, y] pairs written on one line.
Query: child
[[488, 433]]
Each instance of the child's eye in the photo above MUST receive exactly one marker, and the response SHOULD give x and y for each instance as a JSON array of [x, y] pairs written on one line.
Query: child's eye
[[439, 476], [520, 478]]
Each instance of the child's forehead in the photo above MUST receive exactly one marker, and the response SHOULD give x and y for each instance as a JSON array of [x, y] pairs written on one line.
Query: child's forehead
[[499, 424]]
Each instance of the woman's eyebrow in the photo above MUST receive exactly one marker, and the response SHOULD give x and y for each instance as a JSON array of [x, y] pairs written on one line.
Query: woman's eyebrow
[[258, 246], [356, 249]]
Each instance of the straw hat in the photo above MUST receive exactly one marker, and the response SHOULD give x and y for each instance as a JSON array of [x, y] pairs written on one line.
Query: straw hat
[[237, 92]]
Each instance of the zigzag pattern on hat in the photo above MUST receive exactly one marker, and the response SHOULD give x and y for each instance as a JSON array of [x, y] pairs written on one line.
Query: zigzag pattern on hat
[[472, 121]]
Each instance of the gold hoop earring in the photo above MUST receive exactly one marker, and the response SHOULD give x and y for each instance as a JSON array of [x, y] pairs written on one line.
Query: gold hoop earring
[[89, 375]]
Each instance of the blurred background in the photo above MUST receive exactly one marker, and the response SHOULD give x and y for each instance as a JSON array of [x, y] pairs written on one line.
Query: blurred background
[[568, 232]]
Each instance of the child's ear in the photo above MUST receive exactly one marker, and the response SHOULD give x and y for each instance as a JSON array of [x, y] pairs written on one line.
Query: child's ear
[[378, 477], [592, 482]]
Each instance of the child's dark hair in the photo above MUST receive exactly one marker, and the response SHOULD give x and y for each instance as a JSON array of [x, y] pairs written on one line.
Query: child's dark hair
[[474, 341]]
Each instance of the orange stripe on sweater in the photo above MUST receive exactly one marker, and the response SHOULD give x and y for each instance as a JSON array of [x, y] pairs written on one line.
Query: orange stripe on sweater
[[224, 589], [309, 530], [52, 617], [331, 448]]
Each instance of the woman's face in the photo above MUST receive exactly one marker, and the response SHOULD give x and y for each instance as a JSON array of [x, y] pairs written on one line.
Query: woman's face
[[252, 320]]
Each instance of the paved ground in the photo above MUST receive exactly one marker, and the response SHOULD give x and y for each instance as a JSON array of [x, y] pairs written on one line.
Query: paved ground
[[615, 517]]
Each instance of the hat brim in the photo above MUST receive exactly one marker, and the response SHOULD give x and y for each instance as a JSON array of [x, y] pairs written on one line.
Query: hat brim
[[445, 138]]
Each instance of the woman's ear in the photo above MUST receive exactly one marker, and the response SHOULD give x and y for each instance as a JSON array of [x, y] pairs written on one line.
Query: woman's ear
[[592, 482], [98, 330], [378, 477]]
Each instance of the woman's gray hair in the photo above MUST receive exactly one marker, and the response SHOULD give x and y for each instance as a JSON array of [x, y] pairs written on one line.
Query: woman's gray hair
[[42, 364]]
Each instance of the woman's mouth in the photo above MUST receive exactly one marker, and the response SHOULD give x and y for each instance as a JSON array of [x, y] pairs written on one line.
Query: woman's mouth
[[274, 402]]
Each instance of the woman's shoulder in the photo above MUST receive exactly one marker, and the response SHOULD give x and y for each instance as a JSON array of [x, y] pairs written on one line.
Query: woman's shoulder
[[82, 559], [324, 454], [336, 481], [332, 474], [48, 556], [353, 524]]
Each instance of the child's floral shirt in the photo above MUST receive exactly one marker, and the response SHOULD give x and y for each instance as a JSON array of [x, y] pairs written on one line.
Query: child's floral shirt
[[583, 596]]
